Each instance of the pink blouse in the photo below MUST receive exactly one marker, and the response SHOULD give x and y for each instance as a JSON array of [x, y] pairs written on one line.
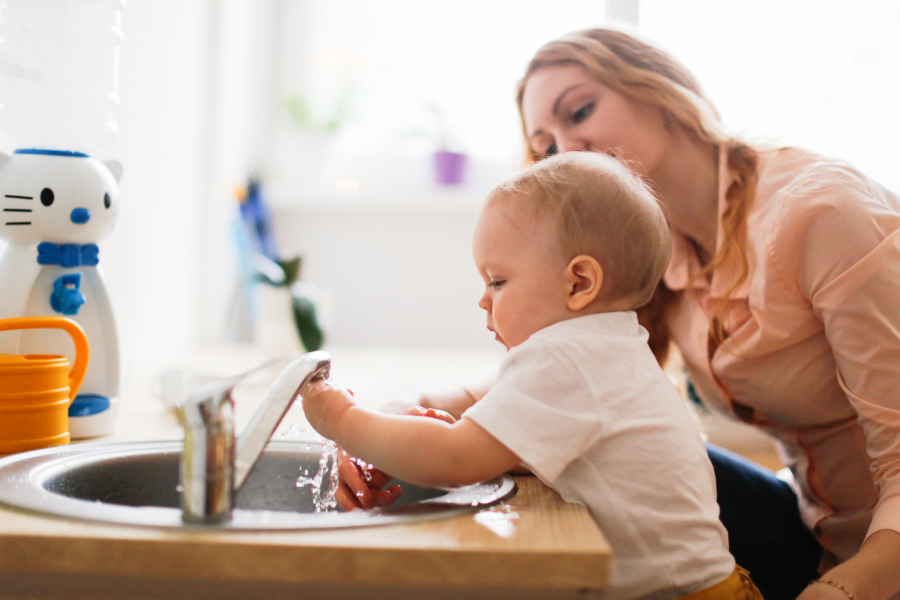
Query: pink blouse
[[813, 349]]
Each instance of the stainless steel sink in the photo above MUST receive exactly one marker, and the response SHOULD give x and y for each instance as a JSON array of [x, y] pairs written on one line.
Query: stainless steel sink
[[137, 483]]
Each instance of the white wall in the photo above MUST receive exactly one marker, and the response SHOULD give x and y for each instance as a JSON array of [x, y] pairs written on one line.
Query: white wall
[[191, 79], [151, 260], [394, 275]]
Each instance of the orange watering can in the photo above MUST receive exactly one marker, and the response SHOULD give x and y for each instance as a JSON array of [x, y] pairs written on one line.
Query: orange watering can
[[37, 389]]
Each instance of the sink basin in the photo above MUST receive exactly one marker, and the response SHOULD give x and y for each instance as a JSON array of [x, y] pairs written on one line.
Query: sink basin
[[137, 483]]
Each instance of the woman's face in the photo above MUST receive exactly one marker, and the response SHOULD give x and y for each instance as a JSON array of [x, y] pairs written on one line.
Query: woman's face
[[566, 109]]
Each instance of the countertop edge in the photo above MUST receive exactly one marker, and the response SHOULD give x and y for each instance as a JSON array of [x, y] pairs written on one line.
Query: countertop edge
[[453, 552]]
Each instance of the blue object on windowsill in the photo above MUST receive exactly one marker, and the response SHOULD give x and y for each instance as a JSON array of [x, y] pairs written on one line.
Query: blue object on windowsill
[[256, 215]]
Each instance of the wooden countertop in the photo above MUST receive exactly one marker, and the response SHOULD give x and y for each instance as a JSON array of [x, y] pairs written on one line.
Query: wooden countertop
[[535, 545]]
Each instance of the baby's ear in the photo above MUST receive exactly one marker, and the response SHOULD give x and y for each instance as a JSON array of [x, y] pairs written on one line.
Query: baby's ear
[[584, 277], [115, 167]]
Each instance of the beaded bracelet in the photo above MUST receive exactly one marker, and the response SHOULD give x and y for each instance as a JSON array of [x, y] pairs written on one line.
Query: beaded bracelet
[[833, 584]]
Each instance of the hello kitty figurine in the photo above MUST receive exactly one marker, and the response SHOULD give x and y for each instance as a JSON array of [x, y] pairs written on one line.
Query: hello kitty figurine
[[55, 206]]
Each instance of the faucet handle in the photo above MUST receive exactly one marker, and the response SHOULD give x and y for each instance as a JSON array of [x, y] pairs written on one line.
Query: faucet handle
[[281, 395]]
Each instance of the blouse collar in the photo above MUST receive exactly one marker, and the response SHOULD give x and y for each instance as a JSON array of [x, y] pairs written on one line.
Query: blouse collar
[[685, 263]]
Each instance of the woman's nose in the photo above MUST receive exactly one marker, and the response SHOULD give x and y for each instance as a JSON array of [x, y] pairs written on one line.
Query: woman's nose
[[570, 143]]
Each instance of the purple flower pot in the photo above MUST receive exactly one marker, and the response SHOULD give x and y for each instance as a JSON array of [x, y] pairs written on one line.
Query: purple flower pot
[[449, 167]]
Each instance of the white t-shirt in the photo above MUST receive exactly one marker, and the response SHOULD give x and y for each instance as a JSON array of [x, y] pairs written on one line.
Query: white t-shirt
[[586, 407]]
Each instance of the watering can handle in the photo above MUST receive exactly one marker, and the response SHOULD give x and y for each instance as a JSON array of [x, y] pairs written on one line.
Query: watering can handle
[[82, 350]]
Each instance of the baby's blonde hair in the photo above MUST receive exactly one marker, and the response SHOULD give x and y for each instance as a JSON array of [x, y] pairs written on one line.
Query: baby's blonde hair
[[602, 210]]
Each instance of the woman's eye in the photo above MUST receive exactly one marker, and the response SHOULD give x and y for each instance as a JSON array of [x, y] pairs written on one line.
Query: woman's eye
[[583, 113], [551, 150]]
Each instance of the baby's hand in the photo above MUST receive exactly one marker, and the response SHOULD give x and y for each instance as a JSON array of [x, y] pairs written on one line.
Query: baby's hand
[[324, 402], [360, 485], [440, 415]]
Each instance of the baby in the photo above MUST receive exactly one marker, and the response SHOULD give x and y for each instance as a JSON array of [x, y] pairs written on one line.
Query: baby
[[567, 249]]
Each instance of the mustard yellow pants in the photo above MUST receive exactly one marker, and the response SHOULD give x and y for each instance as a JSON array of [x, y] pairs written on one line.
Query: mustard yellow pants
[[737, 586]]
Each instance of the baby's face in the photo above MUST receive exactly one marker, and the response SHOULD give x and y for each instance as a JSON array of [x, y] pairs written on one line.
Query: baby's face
[[519, 257]]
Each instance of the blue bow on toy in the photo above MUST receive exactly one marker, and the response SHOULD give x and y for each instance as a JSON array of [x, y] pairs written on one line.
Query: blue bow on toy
[[68, 255]]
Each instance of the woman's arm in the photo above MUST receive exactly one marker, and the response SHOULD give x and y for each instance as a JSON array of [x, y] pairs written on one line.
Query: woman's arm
[[870, 575], [424, 451], [852, 287]]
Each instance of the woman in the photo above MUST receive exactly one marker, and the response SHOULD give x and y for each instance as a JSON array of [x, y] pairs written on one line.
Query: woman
[[781, 297]]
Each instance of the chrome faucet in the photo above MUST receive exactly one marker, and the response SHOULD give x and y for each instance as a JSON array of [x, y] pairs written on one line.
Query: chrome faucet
[[215, 464]]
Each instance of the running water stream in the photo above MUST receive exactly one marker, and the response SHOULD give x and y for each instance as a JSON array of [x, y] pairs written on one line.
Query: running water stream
[[328, 470]]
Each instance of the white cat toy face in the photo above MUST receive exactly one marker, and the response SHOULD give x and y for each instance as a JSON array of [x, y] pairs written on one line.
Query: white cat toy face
[[58, 197]]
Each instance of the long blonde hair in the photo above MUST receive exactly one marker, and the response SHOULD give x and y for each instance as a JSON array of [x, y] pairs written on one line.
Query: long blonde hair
[[649, 75]]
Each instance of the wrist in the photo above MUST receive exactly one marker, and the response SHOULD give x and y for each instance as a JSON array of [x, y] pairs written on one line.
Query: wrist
[[326, 416], [835, 586], [872, 573]]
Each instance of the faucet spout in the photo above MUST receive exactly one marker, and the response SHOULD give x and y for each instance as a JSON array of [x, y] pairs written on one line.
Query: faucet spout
[[214, 464], [279, 398]]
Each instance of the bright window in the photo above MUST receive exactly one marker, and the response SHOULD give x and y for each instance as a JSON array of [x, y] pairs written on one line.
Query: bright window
[[387, 68], [821, 74]]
